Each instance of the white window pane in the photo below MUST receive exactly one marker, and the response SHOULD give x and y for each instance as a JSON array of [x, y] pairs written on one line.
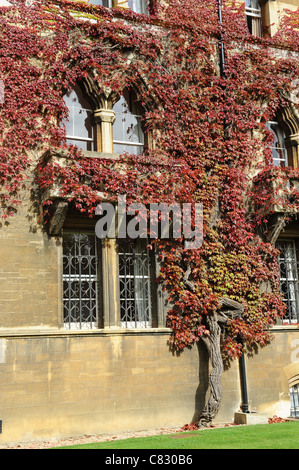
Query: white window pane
[[121, 106], [139, 6], [279, 152], [117, 129], [81, 144], [82, 123], [133, 129], [132, 149], [69, 124], [127, 128]]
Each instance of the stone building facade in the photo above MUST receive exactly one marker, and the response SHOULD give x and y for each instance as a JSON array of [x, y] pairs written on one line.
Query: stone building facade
[[60, 380]]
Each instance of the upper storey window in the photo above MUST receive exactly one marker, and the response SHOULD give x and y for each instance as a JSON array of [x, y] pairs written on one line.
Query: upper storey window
[[128, 135], [139, 6], [279, 151], [253, 17], [79, 127], [103, 3], [107, 130]]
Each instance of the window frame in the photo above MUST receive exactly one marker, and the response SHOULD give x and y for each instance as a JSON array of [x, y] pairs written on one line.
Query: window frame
[[294, 398], [102, 120], [142, 315], [291, 283], [108, 283], [73, 111], [110, 5], [128, 102], [283, 149], [80, 278], [253, 18], [109, 302], [143, 5]]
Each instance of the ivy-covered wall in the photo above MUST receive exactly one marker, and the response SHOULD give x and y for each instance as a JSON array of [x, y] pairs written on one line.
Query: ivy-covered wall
[[209, 144]]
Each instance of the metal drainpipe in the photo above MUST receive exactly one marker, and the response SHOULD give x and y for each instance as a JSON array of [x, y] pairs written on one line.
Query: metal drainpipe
[[244, 406], [221, 45]]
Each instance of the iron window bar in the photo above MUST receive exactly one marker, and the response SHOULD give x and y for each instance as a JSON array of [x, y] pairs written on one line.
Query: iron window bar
[[80, 281], [134, 279], [288, 267], [294, 396]]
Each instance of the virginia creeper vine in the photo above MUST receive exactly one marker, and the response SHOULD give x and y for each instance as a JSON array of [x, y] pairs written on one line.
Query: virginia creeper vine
[[211, 142]]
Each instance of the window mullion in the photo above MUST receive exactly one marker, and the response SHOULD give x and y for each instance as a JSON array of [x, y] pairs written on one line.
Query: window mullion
[[104, 118]]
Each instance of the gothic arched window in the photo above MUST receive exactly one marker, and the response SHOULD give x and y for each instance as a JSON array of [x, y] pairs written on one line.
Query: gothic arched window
[[128, 135], [79, 125], [279, 151]]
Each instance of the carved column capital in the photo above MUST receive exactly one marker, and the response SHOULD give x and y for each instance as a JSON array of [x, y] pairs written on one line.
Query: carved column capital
[[104, 115]]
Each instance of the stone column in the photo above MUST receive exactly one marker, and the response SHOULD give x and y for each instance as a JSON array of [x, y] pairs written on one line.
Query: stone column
[[110, 278], [104, 119]]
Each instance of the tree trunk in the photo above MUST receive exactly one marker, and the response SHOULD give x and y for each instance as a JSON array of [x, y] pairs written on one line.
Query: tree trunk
[[212, 343]]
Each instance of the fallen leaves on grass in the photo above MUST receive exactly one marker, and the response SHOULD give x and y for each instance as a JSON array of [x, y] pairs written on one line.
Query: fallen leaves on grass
[[276, 419]]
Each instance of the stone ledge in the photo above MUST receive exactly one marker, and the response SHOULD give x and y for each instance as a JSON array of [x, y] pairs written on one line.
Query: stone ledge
[[37, 331], [252, 417]]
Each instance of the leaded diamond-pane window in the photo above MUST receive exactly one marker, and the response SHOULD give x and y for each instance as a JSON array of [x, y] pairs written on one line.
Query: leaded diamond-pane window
[[80, 280], [289, 278], [135, 284]]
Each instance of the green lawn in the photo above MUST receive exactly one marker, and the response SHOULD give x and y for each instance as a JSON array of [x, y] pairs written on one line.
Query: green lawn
[[259, 436]]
